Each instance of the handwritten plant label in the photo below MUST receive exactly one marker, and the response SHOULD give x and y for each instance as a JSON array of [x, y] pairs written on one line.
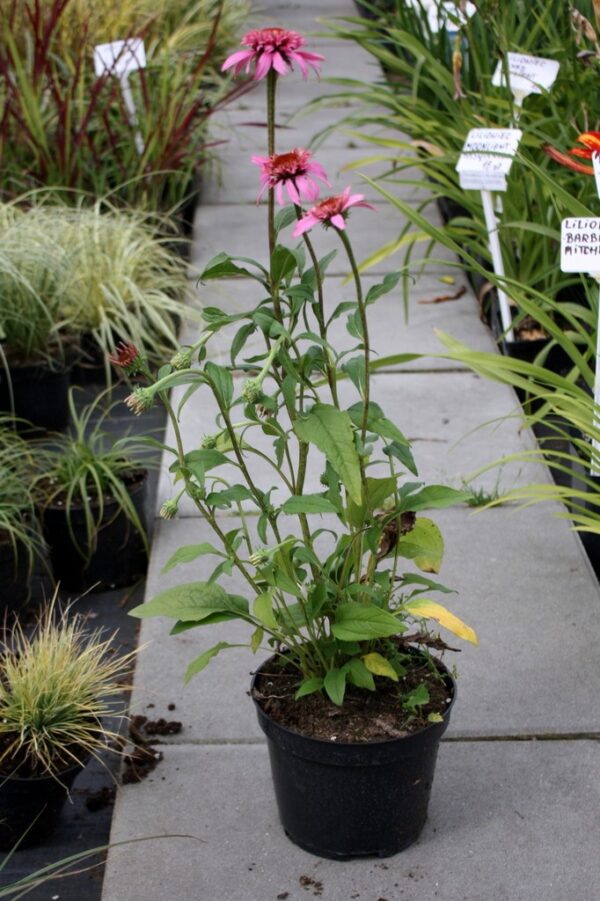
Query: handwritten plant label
[[526, 74], [119, 58], [580, 244], [486, 158], [448, 15]]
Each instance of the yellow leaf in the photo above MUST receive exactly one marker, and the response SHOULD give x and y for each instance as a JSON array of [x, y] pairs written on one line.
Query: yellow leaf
[[256, 639], [435, 718], [431, 610], [447, 279], [379, 666]]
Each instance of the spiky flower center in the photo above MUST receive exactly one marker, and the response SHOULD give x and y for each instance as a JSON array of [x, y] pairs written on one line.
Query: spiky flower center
[[283, 166], [272, 39]]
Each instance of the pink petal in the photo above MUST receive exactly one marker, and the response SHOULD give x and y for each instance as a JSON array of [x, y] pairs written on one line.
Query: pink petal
[[262, 66], [241, 56], [279, 194], [259, 160], [279, 64], [292, 191], [303, 67], [305, 224], [338, 221], [312, 190]]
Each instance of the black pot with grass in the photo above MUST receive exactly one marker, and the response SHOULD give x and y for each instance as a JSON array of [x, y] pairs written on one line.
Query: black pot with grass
[[91, 496]]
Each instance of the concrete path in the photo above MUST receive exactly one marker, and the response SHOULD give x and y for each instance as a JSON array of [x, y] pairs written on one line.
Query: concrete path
[[515, 811]]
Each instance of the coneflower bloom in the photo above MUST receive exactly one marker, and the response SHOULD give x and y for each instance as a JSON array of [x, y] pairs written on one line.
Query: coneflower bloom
[[591, 145], [331, 211], [126, 355], [272, 48], [295, 171]]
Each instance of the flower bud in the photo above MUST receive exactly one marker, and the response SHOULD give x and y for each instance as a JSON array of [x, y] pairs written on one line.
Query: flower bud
[[169, 509], [182, 359], [252, 391], [140, 400]]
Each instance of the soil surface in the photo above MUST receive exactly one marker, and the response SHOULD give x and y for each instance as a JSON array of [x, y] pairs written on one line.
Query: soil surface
[[365, 716]]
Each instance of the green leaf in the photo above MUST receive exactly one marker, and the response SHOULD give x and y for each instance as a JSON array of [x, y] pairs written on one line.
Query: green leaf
[[361, 622], [263, 610], [285, 217], [240, 338], [232, 495], [434, 497], [256, 639], [424, 544], [222, 266], [308, 687], [189, 552], [307, 503], [403, 453], [283, 263], [377, 422], [388, 284], [192, 602], [222, 382], [197, 665], [359, 675], [330, 430], [379, 666], [417, 697], [204, 460], [378, 490], [355, 370], [334, 684]]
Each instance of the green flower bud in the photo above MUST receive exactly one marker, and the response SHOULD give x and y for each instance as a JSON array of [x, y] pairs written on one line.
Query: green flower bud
[[209, 442], [182, 359], [259, 557], [252, 391], [140, 400], [169, 509]]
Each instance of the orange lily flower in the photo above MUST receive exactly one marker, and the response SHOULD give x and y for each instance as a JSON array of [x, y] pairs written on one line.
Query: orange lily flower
[[591, 145]]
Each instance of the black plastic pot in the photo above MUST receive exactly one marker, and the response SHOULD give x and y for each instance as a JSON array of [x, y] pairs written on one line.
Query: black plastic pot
[[37, 393], [522, 349], [15, 575], [342, 801], [119, 557], [30, 807]]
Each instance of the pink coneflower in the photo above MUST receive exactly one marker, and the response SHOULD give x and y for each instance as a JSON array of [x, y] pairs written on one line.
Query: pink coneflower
[[295, 171], [272, 48], [331, 211]]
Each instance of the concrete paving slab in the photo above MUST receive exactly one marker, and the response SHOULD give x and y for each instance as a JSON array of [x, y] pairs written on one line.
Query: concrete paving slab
[[230, 227], [442, 413], [522, 581], [507, 822]]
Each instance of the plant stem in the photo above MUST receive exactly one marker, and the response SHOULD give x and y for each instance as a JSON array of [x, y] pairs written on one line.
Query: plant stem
[[364, 326], [320, 311]]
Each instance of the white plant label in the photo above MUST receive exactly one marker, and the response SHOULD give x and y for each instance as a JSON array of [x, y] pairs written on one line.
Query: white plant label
[[486, 158], [526, 74], [448, 14], [580, 244], [119, 58]]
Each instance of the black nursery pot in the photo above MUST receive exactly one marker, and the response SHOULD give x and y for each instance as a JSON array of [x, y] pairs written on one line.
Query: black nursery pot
[[15, 576], [342, 801], [40, 394], [30, 807], [120, 556]]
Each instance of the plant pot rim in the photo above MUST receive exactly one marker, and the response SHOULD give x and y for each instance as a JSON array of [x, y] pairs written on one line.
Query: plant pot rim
[[377, 743], [135, 479], [42, 777]]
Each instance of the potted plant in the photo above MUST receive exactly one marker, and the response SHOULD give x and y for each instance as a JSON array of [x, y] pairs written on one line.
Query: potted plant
[[91, 490], [343, 620], [21, 544], [56, 687], [36, 336]]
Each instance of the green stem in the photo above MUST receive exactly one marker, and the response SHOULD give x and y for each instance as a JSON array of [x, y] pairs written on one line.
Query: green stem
[[320, 310]]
